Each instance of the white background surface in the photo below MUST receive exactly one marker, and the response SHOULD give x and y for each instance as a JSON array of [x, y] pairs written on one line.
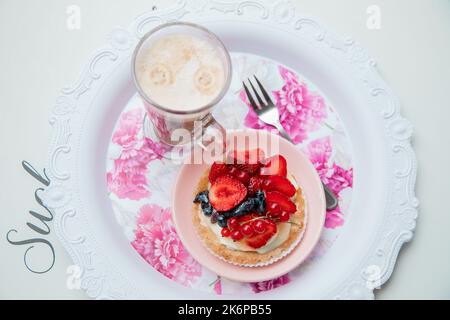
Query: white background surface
[[39, 55]]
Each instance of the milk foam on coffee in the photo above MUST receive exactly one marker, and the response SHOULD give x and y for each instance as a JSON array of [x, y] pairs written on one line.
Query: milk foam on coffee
[[181, 72]]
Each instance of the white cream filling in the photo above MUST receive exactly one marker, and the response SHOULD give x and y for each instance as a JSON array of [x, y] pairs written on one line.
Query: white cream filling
[[282, 234]]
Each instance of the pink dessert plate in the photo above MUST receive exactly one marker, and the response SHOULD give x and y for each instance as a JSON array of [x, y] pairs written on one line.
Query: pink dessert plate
[[306, 176]]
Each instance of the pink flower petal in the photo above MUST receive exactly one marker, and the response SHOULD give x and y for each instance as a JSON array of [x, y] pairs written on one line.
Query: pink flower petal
[[262, 286], [127, 179], [334, 219], [158, 243]]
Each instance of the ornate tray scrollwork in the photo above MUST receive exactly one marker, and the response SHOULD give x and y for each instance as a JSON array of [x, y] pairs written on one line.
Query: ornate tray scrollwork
[[100, 277]]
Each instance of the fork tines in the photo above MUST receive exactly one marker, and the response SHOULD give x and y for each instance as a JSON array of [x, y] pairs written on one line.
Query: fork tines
[[263, 91]]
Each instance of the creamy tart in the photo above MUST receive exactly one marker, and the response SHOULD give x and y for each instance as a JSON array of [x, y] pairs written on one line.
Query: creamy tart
[[249, 214]]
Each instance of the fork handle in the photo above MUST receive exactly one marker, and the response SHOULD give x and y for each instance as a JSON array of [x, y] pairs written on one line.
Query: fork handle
[[283, 133], [330, 197]]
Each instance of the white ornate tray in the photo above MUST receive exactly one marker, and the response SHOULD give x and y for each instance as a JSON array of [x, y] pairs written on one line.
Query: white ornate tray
[[383, 208]]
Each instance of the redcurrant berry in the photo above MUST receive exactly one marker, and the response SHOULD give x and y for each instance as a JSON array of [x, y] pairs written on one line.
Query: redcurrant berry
[[259, 226], [247, 230], [236, 235], [233, 223], [225, 232], [285, 216]]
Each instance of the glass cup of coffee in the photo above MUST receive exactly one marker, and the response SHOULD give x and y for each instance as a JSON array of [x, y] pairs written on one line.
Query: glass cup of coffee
[[181, 71]]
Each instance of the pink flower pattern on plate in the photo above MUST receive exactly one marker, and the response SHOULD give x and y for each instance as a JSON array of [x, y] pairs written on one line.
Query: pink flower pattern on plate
[[301, 111], [158, 243], [127, 179], [262, 286], [218, 286], [334, 176]]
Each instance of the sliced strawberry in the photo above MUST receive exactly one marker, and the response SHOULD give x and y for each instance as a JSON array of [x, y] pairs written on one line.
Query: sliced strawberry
[[242, 176], [248, 161], [278, 183], [271, 183], [275, 166], [251, 169], [253, 156], [254, 184], [226, 192], [282, 200], [273, 210], [258, 240], [217, 169]]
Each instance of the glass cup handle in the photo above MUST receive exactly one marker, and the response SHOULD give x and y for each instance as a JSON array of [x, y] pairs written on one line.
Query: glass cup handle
[[202, 125]]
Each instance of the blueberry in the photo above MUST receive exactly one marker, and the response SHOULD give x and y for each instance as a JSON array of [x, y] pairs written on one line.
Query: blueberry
[[257, 203], [207, 209], [244, 208], [202, 197], [259, 194], [260, 202], [222, 221], [206, 206], [214, 217]]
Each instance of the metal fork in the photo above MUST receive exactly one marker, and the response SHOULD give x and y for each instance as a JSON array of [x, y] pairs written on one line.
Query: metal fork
[[268, 113]]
